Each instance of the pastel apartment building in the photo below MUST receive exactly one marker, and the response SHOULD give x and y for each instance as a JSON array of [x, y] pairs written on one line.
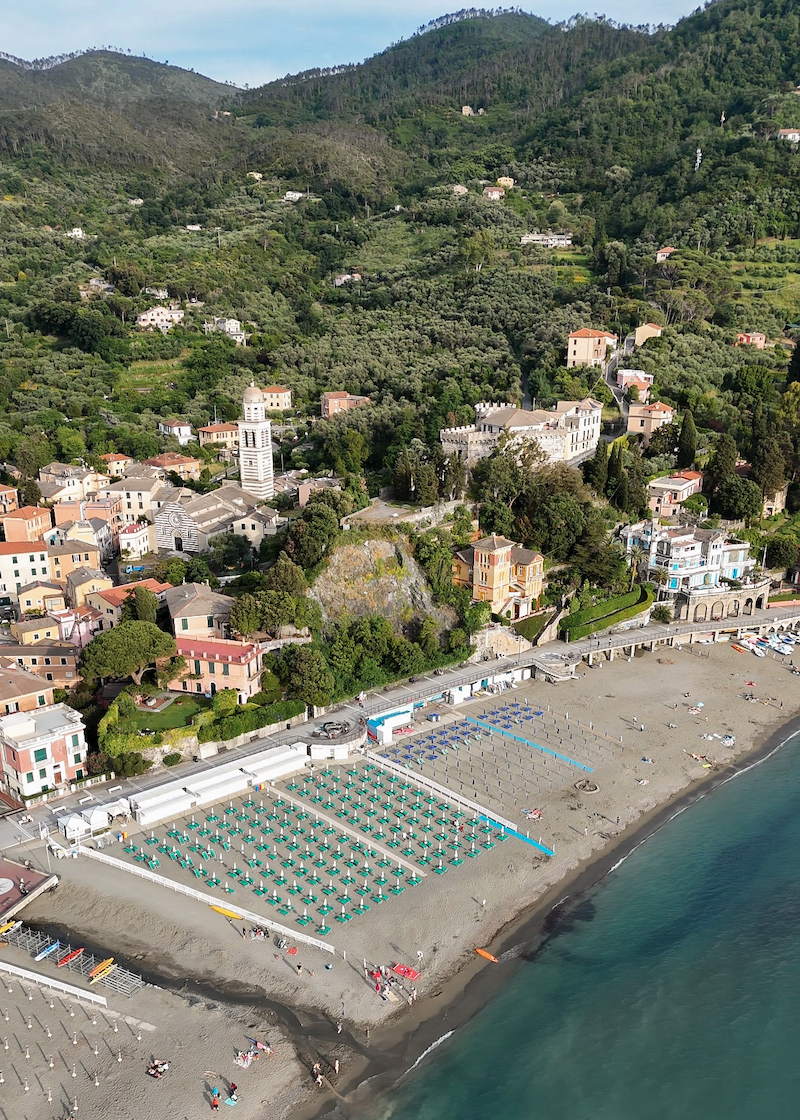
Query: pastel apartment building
[[54, 662], [41, 596], [60, 482], [100, 507], [30, 631], [645, 332], [142, 495], [27, 524], [338, 401], [84, 582], [497, 571], [588, 347], [665, 495], [181, 430], [109, 600], [214, 663], [644, 419], [68, 557], [42, 749], [20, 564]]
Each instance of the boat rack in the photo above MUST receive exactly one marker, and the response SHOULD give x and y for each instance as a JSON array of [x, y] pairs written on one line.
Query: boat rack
[[33, 942]]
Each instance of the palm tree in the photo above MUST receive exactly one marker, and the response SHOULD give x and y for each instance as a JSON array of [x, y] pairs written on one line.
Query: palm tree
[[635, 556], [659, 577]]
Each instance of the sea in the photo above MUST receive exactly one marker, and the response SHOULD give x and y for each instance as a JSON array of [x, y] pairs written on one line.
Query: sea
[[670, 992]]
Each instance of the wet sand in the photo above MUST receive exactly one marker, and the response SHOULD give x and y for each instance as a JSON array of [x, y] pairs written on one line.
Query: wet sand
[[174, 939]]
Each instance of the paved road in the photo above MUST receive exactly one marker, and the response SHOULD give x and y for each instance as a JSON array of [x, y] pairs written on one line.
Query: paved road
[[555, 658]]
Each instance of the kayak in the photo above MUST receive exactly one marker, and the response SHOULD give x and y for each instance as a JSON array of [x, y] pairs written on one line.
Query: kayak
[[228, 913], [99, 975], [7, 928], [51, 948], [69, 957], [98, 968], [487, 955]]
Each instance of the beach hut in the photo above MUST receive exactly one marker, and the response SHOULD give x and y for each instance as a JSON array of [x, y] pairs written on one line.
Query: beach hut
[[98, 820], [74, 826]]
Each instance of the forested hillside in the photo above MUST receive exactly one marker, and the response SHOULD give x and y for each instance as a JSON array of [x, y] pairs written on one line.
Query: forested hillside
[[598, 127]]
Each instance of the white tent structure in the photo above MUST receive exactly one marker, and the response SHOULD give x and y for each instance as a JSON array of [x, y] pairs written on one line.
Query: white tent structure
[[97, 819], [74, 827]]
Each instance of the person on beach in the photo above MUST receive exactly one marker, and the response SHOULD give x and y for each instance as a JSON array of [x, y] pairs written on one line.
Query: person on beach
[[214, 1099], [336, 1066]]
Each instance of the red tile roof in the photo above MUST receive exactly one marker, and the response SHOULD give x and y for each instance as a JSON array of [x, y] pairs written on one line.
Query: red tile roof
[[209, 649], [118, 595], [587, 332]]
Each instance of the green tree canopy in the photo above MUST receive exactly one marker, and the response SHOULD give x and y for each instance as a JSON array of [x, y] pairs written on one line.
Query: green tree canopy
[[126, 651], [687, 441]]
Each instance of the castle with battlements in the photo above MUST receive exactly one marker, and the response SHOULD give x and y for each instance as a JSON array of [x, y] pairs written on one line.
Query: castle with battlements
[[565, 434]]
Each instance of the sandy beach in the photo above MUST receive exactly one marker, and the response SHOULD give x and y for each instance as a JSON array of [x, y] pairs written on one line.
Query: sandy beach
[[224, 986]]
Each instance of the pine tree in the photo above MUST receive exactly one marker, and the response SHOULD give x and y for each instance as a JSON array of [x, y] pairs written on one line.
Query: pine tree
[[687, 440], [596, 470]]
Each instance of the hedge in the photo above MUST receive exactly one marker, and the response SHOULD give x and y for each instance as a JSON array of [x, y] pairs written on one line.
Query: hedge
[[600, 610], [531, 627], [612, 619], [250, 718]]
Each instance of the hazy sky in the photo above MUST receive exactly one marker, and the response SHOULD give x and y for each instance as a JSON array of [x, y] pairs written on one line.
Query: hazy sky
[[255, 40]]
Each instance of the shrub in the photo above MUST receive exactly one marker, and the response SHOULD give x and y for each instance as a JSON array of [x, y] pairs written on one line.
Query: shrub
[[600, 610], [531, 628], [612, 619], [661, 613], [250, 718], [172, 759]]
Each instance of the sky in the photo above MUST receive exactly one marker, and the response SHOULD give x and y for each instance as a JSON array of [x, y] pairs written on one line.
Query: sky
[[253, 41]]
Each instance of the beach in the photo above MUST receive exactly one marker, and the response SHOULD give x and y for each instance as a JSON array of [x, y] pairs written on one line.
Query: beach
[[499, 901]]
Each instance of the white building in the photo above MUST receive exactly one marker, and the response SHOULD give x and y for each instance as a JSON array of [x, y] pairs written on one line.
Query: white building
[[180, 429], [792, 135], [22, 563], [691, 558], [136, 540], [187, 523], [293, 196], [159, 319], [255, 445], [76, 233], [548, 240], [567, 433], [230, 327], [142, 495]]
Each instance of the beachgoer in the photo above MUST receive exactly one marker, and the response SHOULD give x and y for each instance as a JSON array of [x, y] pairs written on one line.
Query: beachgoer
[[299, 968], [233, 1088], [319, 1080], [214, 1099], [336, 1066], [339, 1027], [617, 820]]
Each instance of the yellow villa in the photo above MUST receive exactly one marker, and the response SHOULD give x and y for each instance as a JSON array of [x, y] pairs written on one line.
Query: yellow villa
[[499, 572]]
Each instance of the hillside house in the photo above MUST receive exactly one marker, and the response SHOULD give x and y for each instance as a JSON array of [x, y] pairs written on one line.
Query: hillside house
[[198, 612], [339, 401], [494, 193], [506, 182], [636, 379], [76, 233], [692, 559], [277, 398], [588, 347], [646, 331], [231, 328], [644, 419], [567, 433], [497, 571], [182, 465], [752, 338], [665, 253], [293, 196], [159, 319], [791, 135], [181, 430], [346, 278], [665, 495], [223, 437], [548, 240], [157, 293]]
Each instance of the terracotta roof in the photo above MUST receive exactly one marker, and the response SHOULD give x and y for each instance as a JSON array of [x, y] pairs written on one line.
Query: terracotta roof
[[493, 543], [115, 457], [11, 548], [25, 513], [220, 427], [276, 389], [208, 649], [118, 595], [587, 332]]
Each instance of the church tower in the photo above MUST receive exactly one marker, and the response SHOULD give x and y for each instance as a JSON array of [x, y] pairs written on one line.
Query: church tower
[[255, 445]]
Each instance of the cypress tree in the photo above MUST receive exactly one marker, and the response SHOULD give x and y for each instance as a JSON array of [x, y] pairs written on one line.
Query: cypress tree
[[597, 468], [687, 440], [794, 366]]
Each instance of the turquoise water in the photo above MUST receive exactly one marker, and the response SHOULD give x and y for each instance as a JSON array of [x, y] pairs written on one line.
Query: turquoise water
[[674, 992]]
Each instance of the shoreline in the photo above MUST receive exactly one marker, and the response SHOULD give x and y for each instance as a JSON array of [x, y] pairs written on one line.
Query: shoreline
[[403, 1044]]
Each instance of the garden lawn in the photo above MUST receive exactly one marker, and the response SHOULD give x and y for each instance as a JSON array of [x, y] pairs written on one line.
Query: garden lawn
[[178, 714]]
